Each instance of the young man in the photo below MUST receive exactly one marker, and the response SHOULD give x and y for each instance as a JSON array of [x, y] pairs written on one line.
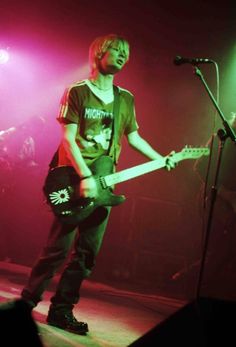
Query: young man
[[86, 118]]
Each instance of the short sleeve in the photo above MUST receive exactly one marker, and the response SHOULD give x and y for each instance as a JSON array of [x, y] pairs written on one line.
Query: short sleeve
[[69, 107]]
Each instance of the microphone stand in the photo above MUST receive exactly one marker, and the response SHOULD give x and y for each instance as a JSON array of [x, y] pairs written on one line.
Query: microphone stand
[[223, 134]]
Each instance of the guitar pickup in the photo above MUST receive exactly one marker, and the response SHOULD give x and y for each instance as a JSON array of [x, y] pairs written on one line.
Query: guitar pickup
[[103, 182]]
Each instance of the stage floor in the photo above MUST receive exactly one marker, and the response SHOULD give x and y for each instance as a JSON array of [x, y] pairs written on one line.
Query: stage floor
[[116, 318]]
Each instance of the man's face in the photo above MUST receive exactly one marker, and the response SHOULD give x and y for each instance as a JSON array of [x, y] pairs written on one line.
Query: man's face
[[114, 59]]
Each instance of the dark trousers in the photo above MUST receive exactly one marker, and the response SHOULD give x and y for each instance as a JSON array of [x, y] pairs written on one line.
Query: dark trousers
[[84, 242]]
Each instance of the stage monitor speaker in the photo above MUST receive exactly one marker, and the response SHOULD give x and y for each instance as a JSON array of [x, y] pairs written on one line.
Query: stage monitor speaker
[[17, 326], [205, 322]]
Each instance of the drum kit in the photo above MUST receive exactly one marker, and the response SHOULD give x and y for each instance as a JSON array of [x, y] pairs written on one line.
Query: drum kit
[[6, 165], [16, 150]]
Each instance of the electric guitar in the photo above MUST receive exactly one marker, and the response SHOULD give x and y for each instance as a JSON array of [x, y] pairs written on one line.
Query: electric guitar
[[62, 192]]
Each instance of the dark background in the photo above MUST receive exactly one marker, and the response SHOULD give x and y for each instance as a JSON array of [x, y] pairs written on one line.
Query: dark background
[[157, 232]]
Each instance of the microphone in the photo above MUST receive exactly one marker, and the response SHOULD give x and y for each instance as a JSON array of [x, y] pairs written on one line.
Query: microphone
[[194, 61]]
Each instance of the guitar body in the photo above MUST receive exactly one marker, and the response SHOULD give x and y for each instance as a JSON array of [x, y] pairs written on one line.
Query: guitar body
[[61, 189]]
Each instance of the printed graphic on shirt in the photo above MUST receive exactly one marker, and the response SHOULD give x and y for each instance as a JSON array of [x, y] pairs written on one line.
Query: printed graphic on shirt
[[93, 113], [98, 129]]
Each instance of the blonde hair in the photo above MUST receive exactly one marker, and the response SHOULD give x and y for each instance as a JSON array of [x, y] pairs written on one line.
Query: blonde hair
[[100, 46]]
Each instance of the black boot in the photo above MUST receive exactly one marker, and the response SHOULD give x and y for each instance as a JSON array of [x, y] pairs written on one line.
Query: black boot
[[65, 319]]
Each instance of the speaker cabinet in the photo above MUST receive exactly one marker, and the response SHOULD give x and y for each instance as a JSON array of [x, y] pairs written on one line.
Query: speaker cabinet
[[203, 322], [17, 325]]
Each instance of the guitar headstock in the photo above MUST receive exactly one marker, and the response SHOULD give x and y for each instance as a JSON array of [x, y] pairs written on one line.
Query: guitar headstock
[[194, 152]]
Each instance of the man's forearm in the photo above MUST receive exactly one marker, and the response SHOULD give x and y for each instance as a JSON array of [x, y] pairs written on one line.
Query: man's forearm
[[143, 147], [74, 154]]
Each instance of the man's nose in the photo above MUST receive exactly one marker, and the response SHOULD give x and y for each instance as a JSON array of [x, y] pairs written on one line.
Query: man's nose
[[122, 54]]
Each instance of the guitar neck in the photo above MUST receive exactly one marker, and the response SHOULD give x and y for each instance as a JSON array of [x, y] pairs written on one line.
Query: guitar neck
[[135, 171], [127, 174]]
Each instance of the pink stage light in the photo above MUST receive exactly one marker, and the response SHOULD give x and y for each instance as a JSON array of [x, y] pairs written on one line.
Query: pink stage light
[[4, 56]]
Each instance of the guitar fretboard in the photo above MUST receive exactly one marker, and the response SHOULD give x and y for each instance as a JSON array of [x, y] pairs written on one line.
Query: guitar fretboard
[[136, 171], [127, 174]]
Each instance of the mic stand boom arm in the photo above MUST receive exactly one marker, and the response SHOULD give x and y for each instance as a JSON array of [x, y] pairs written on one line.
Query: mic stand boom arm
[[223, 134]]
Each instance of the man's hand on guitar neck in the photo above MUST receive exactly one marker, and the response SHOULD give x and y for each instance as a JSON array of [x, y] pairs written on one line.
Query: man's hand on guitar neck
[[170, 162]]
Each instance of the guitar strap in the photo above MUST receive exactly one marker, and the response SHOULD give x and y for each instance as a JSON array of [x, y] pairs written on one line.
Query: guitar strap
[[114, 135]]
